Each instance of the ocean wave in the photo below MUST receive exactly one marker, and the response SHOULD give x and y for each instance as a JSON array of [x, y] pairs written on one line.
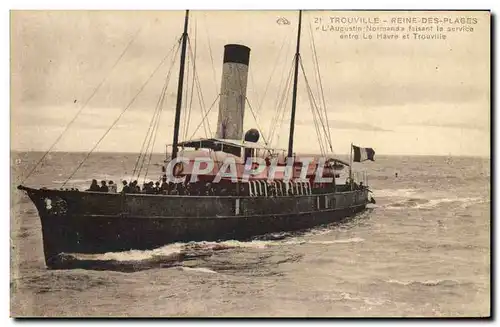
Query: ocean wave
[[408, 203], [175, 250], [345, 296], [138, 255], [199, 269], [426, 204], [55, 282], [327, 242], [435, 202], [394, 193], [172, 254], [439, 282], [136, 260]]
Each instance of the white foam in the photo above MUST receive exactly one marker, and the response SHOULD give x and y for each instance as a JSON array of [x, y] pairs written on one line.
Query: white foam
[[199, 269], [435, 202], [172, 250], [436, 282], [137, 255], [372, 301], [318, 232], [395, 281], [327, 242], [391, 193], [256, 244]]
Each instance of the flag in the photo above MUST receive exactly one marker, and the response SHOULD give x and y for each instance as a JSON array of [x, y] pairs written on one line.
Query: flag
[[363, 154]]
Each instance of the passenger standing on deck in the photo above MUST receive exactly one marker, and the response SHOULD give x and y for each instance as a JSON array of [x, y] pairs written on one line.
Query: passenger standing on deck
[[133, 187], [208, 188], [157, 188], [188, 190], [148, 188], [164, 187], [181, 189], [126, 188], [112, 187], [137, 187], [104, 188], [94, 187], [174, 190]]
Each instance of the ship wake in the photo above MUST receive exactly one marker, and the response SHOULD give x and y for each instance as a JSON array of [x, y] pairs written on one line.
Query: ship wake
[[198, 257], [414, 199]]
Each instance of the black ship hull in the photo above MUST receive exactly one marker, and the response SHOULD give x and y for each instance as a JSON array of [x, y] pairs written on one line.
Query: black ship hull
[[87, 222]]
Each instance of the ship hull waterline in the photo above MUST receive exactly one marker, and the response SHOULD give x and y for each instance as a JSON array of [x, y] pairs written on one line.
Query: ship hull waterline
[[96, 223]]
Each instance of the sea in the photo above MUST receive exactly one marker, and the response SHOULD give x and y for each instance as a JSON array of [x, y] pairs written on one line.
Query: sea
[[423, 250]]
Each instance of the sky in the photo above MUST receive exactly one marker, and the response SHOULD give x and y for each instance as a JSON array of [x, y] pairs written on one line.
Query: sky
[[401, 97]]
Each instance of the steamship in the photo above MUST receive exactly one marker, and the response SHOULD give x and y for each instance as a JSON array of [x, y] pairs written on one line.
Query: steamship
[[238, 207]]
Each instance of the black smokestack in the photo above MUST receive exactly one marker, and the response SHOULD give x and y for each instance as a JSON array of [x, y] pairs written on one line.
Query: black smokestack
[[233, 91]]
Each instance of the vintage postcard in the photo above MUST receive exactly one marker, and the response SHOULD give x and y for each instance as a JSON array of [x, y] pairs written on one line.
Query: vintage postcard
[[250, 163]]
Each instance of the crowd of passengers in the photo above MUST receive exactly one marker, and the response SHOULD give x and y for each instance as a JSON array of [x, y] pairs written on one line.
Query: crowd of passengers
[[198, 188], [162, 188]]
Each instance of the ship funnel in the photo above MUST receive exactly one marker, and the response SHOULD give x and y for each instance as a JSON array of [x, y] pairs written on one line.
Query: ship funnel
[[233, 92]]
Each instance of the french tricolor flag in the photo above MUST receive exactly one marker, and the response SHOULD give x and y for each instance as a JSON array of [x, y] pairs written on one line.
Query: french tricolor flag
[[363, 154]]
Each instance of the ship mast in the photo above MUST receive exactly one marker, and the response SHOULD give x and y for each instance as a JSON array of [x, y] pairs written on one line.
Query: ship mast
[[179, 87], [294, 94]]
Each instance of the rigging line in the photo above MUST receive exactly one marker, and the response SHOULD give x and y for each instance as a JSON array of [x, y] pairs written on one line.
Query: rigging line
[[154, 130], [256, 122], [156, 108], [281, 121], [316, 116], [277, 113], [314, 60], [280, 85], [201, 101], [154, 140], [316, 127], [279, 99], [186, 113], [285, 101], [94, 92], [210, 52], [281, 102], [149, 132], [309, 87], [317, 120], [153, 118], [204, 117], [318, 133], [202, 107], [252, 80], [118, 118], [192, 83], [321, 87], [272, 73], [283, 109], [185, 95]]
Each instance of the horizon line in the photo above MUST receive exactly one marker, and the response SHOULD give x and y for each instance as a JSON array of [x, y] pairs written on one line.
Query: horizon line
[[298, 153]]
